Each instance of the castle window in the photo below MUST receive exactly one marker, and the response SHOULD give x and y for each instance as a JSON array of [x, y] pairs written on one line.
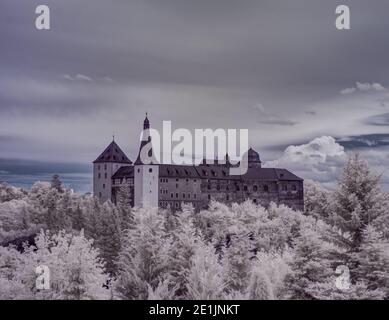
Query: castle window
[[177, 204], [138, 170], [103, 185], [188, 195], [161, 180], [150, 170], [255, 188], [294, 188], [100, 195], [266, 188], [183, 195], [105, 175], [99, 175], [227, 197], [194, 180], [105, 167], [171, 195], [187, 180], [195, 196], [176, 195], [245, 188], [237, 188], [209, 197], [284, 187], [114, 157]]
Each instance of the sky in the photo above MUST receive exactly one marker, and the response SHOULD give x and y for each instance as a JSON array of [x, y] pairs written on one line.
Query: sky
[[307, 92]]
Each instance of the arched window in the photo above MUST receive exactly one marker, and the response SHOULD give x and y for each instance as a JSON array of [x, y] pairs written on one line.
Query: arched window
[[255, 188]]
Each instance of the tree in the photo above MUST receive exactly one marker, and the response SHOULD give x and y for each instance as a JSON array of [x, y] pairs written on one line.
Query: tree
[[205, 277], [76, 271], [372, 261], [358, 200], [56, 183], [124, 205], [144, 257], [317, 200], [310, 266]]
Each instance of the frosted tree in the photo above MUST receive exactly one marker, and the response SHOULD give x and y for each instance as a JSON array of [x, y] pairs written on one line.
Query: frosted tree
[[237, 262], [310, 266], [144, 258], [12, 288], [259, 287], [358, 200], [205, 277], [186, 237], [275, 266], [372, 261], [317, 200], [76, 271], [8, 192]]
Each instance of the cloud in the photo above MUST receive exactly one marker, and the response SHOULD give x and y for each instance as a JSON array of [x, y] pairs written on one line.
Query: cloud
[[271, 118], [363, 86], [320, 159], [83, 77], [378, 120], [79, 77], [348, 90], [364, 141]]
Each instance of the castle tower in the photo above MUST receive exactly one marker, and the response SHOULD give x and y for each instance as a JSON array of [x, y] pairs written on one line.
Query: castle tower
[[104, 167], [146, 172], [254, 161]]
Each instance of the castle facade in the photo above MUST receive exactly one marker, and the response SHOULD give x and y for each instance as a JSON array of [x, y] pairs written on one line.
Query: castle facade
[[170, 186]]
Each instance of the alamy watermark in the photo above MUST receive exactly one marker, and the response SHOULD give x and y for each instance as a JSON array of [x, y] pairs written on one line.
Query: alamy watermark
[[188, 149]]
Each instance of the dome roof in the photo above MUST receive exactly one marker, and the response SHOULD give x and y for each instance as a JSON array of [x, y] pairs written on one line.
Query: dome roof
[[253, 156]]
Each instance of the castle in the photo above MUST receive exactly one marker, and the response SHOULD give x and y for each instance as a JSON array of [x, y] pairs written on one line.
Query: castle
[[170, 186]]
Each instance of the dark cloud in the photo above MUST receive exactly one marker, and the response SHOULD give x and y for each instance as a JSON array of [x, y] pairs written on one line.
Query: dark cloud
[[378, 120], [364, 141]]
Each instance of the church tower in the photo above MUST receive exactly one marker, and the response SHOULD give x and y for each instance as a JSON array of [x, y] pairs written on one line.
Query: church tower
[[146, 172], [104, 167]]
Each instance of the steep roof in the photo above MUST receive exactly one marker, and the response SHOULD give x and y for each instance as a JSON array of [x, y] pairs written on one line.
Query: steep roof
[[177, 171], [270, 174], [124, 172], [213, 172], [113, 153]]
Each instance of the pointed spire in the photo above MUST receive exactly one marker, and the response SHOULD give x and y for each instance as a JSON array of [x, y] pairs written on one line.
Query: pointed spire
[[146, 139], [146, 123]]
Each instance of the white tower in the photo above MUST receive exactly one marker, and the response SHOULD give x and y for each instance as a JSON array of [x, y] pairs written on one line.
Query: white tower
[[146, 173], [104, 167]]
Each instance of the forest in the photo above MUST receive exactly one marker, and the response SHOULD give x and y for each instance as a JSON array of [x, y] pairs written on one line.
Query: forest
[[243, 251]]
